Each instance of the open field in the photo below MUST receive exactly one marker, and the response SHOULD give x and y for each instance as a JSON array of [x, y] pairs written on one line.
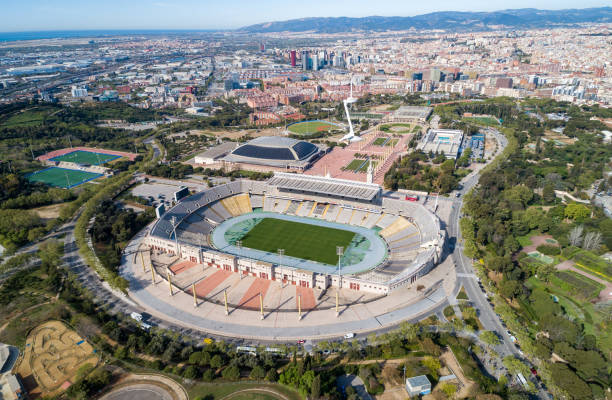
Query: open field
[[53, 355], [400, 128], [310, 242], [51, 211], [490, 121], [309, 127], [62, 177], [86, 157], [30, 117]]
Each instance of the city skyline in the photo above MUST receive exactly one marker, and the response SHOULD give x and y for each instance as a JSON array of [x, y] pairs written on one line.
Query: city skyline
[[44, 15]]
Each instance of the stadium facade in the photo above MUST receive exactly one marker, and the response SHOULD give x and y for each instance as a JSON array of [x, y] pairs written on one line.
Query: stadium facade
[[412, 234], [273, 153]]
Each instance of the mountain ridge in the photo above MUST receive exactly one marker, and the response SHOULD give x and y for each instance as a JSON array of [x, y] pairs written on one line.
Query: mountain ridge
[[454, 21]]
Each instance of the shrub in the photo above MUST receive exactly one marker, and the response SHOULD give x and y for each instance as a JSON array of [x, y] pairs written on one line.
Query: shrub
[[549, 250]]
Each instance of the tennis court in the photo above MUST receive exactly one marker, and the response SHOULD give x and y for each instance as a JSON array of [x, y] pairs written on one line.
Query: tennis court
[[86, 157], [62, 177]]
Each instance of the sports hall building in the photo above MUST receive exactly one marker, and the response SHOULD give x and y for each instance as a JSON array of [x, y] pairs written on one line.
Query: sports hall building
[[407, 238], [273, 153]]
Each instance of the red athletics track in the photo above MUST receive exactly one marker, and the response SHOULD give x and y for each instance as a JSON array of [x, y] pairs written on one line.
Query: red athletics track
[[182, 267], [206, 285], [308, 300], [251, 297], [61, 152]]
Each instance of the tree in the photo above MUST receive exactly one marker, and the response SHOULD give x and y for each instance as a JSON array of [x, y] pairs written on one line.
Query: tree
[[567, 380], [592, 241], [191, 372], [548, 193], [208, 375], [448, 389], [433, 365], [216, 361], [514, 365], [489, 338], [315, 389], [577, 212], [231, 373], [575, 236], [257, 373]]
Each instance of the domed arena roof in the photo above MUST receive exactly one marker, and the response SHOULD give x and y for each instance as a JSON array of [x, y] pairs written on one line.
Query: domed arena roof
[[276, 148], [275, 151]]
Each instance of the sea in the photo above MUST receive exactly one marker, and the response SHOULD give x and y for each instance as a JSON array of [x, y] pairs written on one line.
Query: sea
[[16, 36]]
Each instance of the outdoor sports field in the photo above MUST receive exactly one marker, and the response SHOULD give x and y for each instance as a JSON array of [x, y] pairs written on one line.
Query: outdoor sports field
[[62, 177], [310, 127], [86, 157], [310, 242]]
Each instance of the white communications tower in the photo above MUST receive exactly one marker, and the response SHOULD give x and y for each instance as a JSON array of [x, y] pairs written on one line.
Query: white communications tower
[[350, 137]]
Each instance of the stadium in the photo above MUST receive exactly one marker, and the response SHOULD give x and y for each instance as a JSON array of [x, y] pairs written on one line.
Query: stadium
[[308, 231]]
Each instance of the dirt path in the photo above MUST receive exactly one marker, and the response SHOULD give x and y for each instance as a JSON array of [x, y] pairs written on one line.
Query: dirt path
[[536, 241], [256, 390], [604, 295], [3, 327]]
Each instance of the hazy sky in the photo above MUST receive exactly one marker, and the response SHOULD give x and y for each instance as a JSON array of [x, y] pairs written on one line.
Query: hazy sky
[[33, 15]]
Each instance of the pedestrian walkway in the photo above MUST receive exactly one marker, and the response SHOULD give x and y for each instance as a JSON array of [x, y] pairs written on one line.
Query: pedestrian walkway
[[251, 297], [207, 285]]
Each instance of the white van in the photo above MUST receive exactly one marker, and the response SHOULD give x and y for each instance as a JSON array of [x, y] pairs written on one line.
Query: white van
[[349, 335]]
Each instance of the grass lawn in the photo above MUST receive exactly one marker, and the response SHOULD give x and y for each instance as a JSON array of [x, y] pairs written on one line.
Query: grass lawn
[[86, 157], [31, 117], [482, 120], [62, 177], [309, 127], [525, 240], [310, 242], [364, 167], [398, 128], [220, 390], [462, 295], [17, 329], [380, 141], [355, 164]]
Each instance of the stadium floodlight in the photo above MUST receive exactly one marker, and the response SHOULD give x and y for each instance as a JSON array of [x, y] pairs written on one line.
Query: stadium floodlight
[[173, 222], [239, 245], [339, 252], [281, 252]]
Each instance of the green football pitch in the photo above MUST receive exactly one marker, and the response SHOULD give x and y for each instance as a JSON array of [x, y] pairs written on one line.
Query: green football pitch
[[85, 157], [62, 177], [310, 127], [310, 242]]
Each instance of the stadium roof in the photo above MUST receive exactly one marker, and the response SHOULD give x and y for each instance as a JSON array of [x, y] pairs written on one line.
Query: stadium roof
[[327, 186], [275, 151], [276, 148]]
